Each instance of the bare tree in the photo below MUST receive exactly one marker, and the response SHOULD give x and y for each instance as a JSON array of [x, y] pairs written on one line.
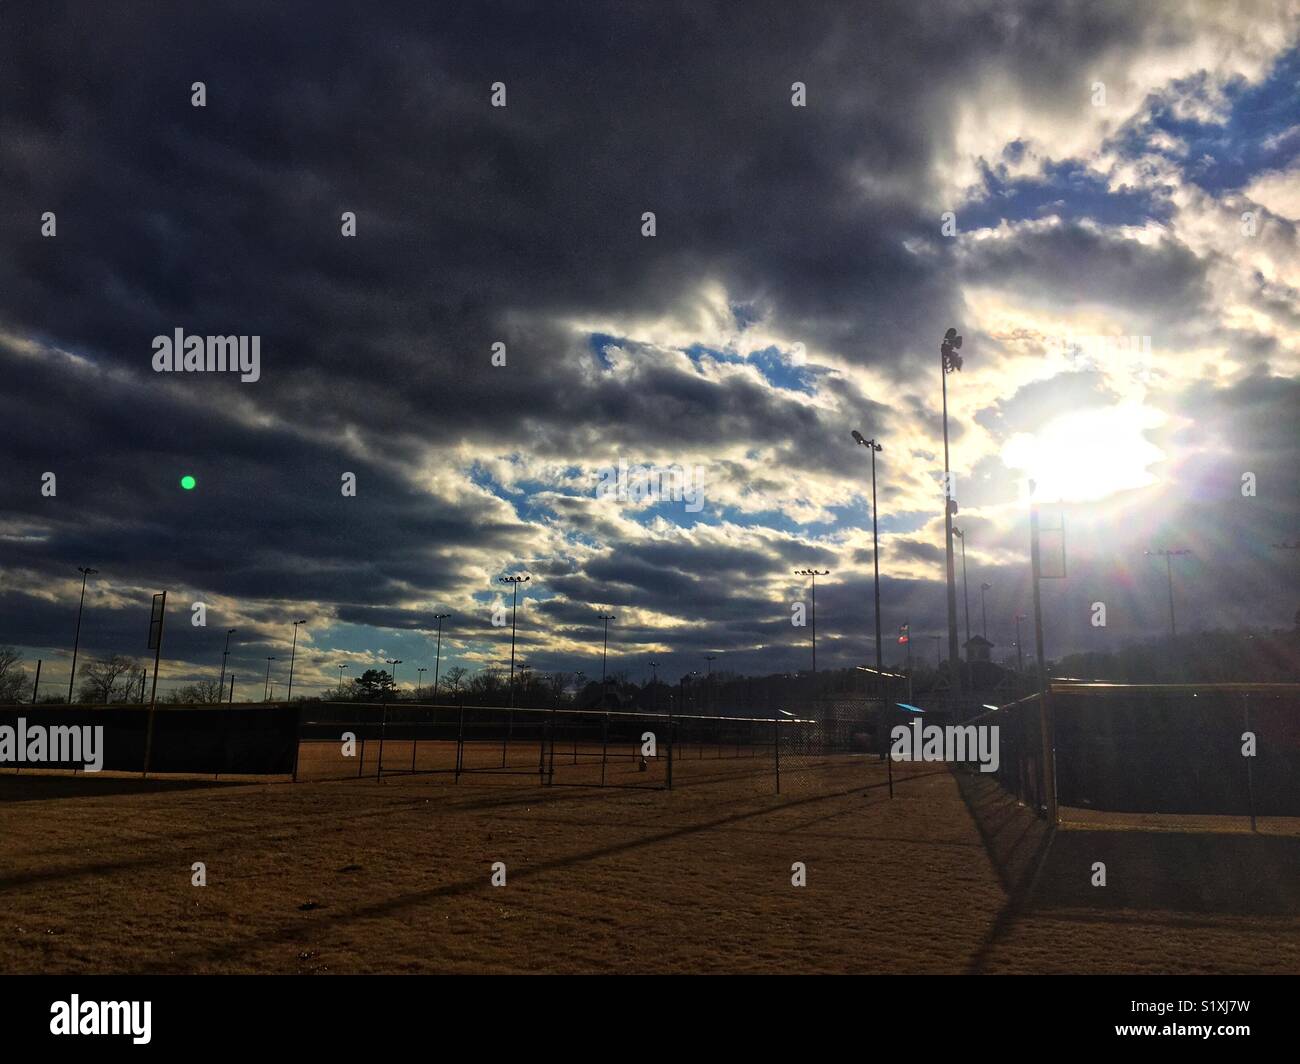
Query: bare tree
[[108, 679], [13, 677], [455, 678], [203, 693]]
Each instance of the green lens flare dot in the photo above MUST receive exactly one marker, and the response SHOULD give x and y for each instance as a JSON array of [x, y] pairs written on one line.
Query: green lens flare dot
[[188, 482]]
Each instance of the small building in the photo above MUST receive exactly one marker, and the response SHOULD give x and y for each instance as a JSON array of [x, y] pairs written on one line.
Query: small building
[[978, 649]]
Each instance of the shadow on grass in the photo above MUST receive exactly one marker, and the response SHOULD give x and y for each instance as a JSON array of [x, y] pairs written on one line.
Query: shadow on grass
[[41, 786], [1182, 877]]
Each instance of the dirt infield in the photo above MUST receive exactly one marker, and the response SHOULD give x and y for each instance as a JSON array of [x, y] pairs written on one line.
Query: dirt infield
[[358, 875]]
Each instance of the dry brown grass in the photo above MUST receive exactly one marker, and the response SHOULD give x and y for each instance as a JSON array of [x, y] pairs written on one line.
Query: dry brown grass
[[355, 875]]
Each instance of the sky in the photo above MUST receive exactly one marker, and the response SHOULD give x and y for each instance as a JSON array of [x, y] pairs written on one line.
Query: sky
[[1102, 198]]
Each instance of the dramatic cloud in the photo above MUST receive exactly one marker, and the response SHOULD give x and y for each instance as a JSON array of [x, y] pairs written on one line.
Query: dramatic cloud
[[1099, 196]]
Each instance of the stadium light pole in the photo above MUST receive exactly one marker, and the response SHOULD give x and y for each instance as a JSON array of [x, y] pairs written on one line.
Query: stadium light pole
[[1020, 657], [1168, 556], [874, 448], [814, 574], [341, 668], [949, 361], [419, 681], [76, 640], [984, 611], [514, 582], [394, 662], [266, 687], [965, 583], [604, 655], [654, 683], [221, 684], [293, 653], [708, 679], [437, 657]]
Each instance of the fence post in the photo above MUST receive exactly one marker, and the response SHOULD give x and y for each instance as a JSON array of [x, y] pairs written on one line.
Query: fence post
[[297, 746], [776, 744], [541, 752], [671, 733], [550, 776], [460, 740], [1250, 774], [604, 747]]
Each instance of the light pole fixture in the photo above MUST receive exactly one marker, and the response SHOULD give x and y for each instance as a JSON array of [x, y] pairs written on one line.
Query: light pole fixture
[[654, 683], [708, 680], [1020, 657], [221, 684], [949, 361], [965, 584], [984, 609], [293, 653], [419, 680], [341, 668], [1168, 556], [604, 654], [437, 657], [514, 582], [76, 641], [266, 688], [874, 448], [814, 574], [394, 662]]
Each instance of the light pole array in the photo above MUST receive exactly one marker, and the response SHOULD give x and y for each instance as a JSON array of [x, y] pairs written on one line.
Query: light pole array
[[514, 582], [419, 681], [293, 653], [965, 584], [266, 687], [221, 684], [76, 641], [814, 574], [1168, 556], [949, 361], [437, 658], [874, 448], [604, 655]]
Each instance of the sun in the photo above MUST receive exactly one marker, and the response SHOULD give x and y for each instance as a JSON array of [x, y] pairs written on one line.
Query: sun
[[1089, 454]]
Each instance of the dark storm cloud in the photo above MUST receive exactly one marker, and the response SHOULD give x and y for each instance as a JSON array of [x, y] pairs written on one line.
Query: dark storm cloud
[[475, 225]]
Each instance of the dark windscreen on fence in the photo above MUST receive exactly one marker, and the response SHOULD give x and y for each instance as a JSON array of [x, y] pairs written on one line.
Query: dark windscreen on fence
[[1215, 749], [230, 740]]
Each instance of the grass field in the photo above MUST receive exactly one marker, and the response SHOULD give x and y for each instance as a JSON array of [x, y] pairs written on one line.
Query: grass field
[[359, 875]]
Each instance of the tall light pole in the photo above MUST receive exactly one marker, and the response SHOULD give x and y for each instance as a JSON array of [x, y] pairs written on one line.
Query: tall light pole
[[874, 447], [965, 584], [394, 662], [708, 681], [604, 654], [341, 668], [514, 582], [76, 642], [221, 684], [419, 681], [293, 654], [814, 573], [1020, 657], [437, 658], [266, 688], [984, 609], [1168, 556], [654, 682], [949, 362]]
